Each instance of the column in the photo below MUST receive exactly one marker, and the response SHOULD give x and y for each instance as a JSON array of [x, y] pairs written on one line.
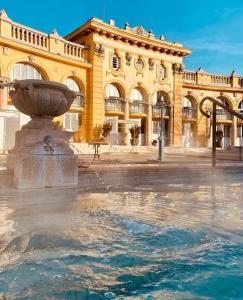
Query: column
[[3, 98], [149, 122], [177, 121], [95, 108], [126, 127], [234, 131]]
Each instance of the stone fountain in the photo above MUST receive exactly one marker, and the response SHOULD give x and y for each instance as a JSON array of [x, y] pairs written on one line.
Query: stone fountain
[[42, 156]]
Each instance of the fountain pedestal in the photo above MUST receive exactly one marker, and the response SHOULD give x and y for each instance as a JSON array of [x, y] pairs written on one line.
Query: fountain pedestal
[[42, 156]]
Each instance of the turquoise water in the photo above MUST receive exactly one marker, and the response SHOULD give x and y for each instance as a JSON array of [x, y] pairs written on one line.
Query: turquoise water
[[178, 242]]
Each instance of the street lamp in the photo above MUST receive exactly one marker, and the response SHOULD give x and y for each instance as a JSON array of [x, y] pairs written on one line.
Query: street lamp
[[161, 104]]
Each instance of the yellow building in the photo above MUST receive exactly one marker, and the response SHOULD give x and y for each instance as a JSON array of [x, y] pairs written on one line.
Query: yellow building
[[120, 75]]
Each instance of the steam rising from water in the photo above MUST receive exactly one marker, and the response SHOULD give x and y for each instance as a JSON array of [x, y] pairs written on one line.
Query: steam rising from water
[[161, 241]]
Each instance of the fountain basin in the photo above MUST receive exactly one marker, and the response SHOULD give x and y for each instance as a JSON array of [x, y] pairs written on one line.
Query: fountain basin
[[42, 156], [41, 97]]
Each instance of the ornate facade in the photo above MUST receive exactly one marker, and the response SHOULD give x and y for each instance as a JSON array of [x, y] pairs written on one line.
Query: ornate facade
[[120, 75]]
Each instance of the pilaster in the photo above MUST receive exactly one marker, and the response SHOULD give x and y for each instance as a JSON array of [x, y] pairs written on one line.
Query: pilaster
[[149, 122], [177, 124], [126, 127]]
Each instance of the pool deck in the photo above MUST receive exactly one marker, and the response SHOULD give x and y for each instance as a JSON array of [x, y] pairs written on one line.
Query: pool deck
[[179, 166]]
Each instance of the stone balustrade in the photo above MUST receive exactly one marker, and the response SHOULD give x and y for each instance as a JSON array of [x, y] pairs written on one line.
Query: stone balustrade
[[115, 104], [190, 76], [29, 36], [52, 43], [221, 80], [202, 78]]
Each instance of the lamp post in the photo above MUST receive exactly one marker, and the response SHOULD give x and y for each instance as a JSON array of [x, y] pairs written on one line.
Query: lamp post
[[161, 133]]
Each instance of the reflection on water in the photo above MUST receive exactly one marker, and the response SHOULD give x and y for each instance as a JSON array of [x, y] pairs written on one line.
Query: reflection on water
[[178, 242]]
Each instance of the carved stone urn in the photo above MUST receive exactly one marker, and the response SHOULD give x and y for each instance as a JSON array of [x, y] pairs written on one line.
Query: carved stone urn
[[42, 156]]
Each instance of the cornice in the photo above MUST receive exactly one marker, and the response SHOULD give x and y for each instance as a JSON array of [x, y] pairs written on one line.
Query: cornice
[[97, 26]]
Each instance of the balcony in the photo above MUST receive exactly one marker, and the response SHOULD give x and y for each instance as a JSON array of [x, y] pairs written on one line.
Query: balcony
[[239, 111], [114, 104], [156, 111], [222, 115], [189, 113], [137, 107], [78, 101]]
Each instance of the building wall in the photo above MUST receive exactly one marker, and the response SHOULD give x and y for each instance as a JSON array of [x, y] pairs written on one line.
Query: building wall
[[86, 56]]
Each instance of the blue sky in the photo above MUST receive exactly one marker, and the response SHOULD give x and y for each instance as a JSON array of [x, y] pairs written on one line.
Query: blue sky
[[212, 29]]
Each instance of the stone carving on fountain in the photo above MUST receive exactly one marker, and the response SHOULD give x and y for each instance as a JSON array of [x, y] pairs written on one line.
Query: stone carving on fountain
[[42, 156]]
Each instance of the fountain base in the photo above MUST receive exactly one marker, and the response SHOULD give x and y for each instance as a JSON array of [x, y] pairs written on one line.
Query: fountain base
[[43, 158]]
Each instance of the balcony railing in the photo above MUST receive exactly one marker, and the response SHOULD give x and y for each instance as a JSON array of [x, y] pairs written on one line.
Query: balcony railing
[[51, 43], [114, 104], [137, 107], [223, 115], [240, 111], [189, 76], [156, 111], [221, 80], [189, 113], [78, 101]]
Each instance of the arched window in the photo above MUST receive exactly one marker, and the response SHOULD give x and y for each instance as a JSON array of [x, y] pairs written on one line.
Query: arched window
[[73, 86], [112, 91], [116, 62], [223, 101], [136, 95], [240, 106], [186, 103], [161, 96], [24, 71]]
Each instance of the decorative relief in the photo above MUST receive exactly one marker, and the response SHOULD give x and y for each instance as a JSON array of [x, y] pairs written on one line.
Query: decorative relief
[[139, 64], [5, 50], [177, 68], [128, 58], [141, 31], [151, 64], [99, 50]]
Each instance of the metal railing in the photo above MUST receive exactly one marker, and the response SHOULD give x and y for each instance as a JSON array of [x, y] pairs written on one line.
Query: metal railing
[[221, 114], [137, 107], [189, 113], [213, 116], [157, 108], [114, 104], [78, 101]]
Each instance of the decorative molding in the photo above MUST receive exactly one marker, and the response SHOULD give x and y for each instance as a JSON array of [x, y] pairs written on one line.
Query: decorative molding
[[141, 31], [5, 50], [31, 58], [128, 58], [4, 16], [151, 63], [99, 50], [177, 68], [139, 64]]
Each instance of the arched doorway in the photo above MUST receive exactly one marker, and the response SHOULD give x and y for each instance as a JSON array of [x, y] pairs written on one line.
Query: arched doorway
[[138, 111], [114, 112], [224, 124], [158, 97], [72, 119], [189, 122], [239, 139]]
